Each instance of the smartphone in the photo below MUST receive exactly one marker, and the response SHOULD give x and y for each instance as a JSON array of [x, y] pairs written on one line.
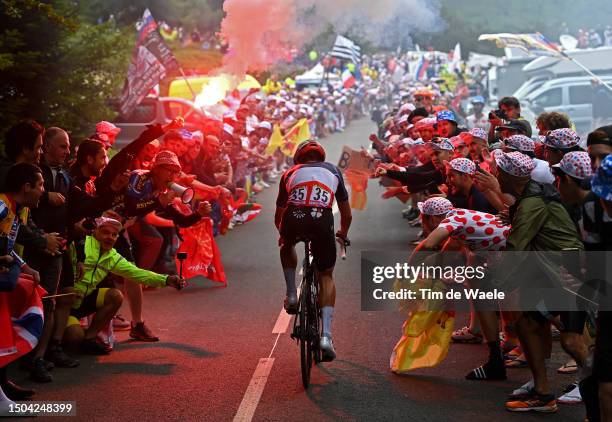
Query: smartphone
[[478, 166]]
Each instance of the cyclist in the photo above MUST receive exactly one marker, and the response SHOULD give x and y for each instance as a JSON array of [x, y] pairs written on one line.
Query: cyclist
[[304, 209]]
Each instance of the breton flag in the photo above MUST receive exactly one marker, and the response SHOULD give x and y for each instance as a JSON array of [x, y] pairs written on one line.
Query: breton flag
[[348, 80], [421, 69], [346, 49]]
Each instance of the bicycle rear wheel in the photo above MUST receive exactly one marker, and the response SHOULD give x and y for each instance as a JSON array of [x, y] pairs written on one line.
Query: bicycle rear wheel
[[305, 334]]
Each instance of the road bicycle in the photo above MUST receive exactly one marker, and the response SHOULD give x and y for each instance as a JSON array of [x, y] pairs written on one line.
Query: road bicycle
[[307, 323]]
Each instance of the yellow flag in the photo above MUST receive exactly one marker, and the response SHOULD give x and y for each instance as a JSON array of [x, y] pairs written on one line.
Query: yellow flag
[[276, 140], [299, 133]]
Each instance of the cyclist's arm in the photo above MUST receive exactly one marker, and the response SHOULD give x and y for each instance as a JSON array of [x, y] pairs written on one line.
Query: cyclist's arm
[[278, 216], [346, 217], [434, 239]]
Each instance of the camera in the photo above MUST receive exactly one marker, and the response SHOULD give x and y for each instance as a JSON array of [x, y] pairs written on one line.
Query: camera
[[499, 114]]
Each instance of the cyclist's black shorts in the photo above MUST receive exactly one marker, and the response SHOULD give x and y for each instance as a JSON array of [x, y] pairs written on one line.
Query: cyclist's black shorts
[[317, 224]]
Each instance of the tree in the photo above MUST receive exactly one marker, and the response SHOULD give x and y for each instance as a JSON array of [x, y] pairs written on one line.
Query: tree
[[55, 69]]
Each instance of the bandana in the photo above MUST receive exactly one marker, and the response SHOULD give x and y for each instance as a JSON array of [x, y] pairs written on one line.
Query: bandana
[[106, 221], [167, 158]]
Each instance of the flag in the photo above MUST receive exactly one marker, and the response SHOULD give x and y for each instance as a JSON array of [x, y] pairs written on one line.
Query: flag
[[246, 212], [529, 43], [455, 64], [348, 80], [276, 140], [358, 180], [203, 254], [151, 61], [421, 69], [346, 49], [298, 133], [21, 320]]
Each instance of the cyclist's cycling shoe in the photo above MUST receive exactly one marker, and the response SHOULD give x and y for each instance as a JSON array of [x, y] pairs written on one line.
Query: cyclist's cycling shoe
[[327, 348], [291, 304]]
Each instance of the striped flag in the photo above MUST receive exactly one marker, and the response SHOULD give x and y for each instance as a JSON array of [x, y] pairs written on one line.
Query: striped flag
[[421, 69], [348, 80], [346, 49]]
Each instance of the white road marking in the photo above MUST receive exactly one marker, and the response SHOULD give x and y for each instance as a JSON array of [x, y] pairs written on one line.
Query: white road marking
[[254, 391]]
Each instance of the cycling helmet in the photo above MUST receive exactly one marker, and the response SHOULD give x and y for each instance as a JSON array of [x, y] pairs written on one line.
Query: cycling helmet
[[305, 147]]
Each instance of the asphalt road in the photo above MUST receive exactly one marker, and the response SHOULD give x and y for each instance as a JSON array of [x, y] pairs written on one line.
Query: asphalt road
[[208, 364]]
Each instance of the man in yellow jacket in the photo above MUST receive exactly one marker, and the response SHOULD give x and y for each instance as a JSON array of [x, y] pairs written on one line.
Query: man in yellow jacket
[[92, 265]]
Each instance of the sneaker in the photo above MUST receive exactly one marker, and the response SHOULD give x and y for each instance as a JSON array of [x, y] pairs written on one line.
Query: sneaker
[[327, 348], [94, 347], [39, 371], [291, 304], [120, 323], [523, 391], [537, 402], [412, 214], [465, 335], [16, 392], [264, 184], [141, 332], [571, 395], [489, 371], [60, 358], [27, 363]]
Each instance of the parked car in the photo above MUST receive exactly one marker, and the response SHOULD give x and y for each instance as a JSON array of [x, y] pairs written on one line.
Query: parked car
[[153, 110], [572, 96]]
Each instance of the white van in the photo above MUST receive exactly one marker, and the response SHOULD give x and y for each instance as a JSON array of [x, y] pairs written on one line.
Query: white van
[[572, 96]]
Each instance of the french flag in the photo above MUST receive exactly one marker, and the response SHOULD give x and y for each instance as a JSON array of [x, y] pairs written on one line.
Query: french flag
[[421, 68], [21, 320], [348, 80]]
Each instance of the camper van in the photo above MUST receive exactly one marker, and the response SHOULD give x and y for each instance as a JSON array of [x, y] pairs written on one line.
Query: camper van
[[572, 96]]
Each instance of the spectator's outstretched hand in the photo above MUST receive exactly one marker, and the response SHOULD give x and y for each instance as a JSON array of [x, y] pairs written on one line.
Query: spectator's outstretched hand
[[204, 208], [177, 123], [176, 282]]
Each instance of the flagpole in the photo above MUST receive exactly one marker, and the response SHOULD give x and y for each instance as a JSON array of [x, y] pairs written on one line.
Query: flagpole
[[187, 82], [587, 70]]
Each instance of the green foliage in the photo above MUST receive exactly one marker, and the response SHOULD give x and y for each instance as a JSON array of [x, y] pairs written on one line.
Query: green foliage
[[205, 15], [467, 19], [58, 71]]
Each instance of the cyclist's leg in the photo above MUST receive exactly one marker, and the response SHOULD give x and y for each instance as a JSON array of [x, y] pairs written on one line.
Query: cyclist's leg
[[327, 298], [290, 229]]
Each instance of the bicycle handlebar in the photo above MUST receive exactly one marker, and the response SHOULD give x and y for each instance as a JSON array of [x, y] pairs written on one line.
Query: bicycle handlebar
[[343, 244]]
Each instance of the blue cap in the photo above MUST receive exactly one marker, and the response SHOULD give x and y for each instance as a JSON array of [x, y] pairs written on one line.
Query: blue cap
[[446, 115], [478, 99], [601, 183]]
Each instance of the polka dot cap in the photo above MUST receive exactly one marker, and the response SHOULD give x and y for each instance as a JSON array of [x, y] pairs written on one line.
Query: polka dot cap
[[562, 139], [576, 164], [520, 143], [514, 163], [479, 133], [463, 165], [435, 206]]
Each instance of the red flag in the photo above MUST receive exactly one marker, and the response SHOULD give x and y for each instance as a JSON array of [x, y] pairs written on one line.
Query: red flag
[[203, 254]]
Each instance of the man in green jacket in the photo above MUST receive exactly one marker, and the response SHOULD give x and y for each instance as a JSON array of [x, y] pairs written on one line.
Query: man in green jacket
[[98, 261]]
